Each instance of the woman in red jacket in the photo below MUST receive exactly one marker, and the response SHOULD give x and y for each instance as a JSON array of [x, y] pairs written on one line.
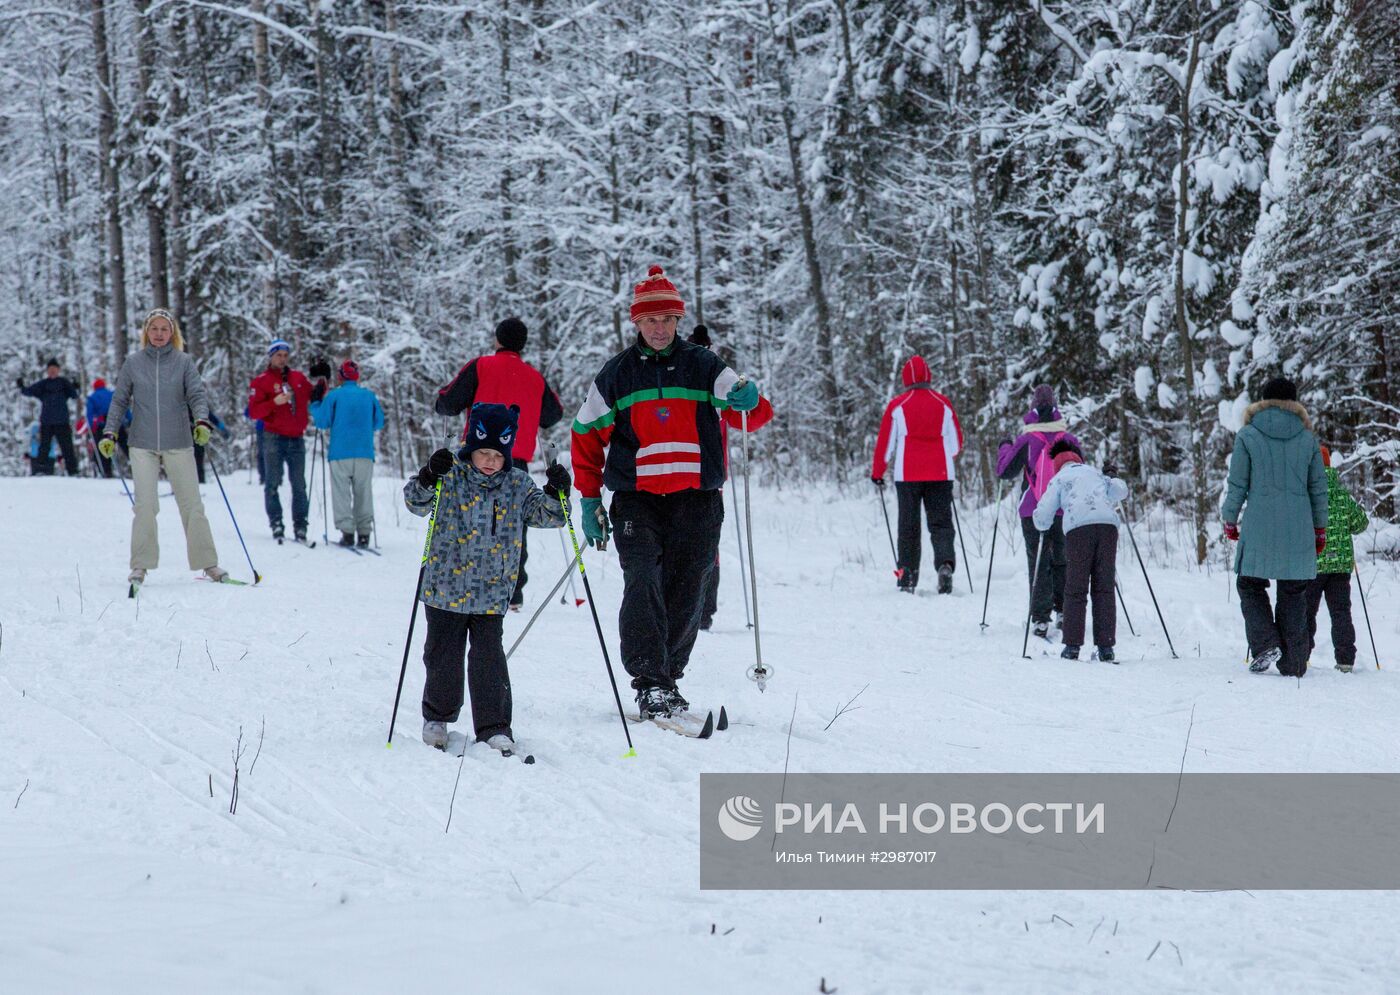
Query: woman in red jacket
[[919, 439]]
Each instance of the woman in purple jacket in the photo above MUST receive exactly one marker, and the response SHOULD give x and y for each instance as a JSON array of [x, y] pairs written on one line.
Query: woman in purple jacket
[[1028, 456]]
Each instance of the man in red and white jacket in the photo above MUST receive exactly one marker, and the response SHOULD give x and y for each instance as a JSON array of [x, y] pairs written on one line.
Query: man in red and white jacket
[[650, 431], [919, 439], [505, 378]]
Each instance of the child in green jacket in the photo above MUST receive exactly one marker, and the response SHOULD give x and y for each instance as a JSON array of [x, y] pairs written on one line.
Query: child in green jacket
[[1345, 518]]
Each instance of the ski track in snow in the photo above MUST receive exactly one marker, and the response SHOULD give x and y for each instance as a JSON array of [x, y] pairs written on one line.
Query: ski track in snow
[[120, 873]]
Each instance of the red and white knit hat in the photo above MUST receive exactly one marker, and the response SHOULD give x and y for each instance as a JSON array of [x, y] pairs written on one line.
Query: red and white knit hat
[[656, 295]]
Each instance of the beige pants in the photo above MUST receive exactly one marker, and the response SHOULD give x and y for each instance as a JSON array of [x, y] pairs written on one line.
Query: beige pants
[[180, 471], [352, 494]]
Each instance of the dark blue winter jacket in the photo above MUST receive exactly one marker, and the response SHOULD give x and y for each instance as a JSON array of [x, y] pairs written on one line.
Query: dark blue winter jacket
[[53, 393], [353, 415]]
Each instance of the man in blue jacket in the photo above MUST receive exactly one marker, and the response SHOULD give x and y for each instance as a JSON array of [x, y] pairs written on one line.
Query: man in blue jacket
[[53, 393], [352, 415], [97, 404]]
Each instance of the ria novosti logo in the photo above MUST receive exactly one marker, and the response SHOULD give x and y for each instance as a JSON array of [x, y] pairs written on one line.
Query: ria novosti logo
[[740, 818]]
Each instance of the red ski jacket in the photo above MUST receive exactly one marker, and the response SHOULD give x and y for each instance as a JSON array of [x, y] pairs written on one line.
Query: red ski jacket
[[280, 419], [919, 434], [506, 379], [651, 422]]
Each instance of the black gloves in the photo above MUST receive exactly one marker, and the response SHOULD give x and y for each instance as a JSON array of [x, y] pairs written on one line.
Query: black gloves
[[1110, 468], [439, 465], [878, 482], [19, 382], [320, 368], [558, 483], [318, 391]]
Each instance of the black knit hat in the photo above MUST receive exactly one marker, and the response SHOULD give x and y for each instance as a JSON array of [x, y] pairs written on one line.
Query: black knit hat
[[491, 426], [511, 333], [1064, 446], [701, 336], [54, 362], [1279, 389]]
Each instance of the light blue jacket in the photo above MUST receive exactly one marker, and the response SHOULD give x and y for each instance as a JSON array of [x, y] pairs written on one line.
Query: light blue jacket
[[1084, 494], [352, 414]]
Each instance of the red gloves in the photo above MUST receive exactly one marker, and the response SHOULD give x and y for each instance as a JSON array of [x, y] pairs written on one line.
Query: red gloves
[[1232, 531], [1321, 536]]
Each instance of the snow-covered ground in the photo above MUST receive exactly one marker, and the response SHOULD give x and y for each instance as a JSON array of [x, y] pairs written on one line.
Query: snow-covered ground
[[121, 868]]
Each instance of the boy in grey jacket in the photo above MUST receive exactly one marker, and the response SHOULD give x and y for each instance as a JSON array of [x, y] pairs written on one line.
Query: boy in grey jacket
[[1089, 501], [481, 505]]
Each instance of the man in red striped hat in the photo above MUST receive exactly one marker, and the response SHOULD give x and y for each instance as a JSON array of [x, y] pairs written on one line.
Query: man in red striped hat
[[649, 431]]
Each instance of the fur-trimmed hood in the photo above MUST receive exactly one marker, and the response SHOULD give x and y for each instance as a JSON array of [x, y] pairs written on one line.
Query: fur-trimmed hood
[[1278, 426]]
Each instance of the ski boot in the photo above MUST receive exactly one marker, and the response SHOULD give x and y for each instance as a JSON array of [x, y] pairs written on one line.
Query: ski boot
[[278, 532], [1344, 667], [1265, 660], [945, 579], [347, 539], [364, 540], [677, 704], [1070, 652], [1105, 654], [1041, 629], [435, 734], [217, 574], [137, 576], [653, 703], [300, 534], [1058, 622]]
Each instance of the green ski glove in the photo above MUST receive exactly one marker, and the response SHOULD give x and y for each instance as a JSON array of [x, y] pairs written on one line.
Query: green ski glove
[[595, 521]]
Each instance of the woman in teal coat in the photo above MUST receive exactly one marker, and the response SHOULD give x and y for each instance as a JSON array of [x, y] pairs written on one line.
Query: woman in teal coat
[[1276, 479]]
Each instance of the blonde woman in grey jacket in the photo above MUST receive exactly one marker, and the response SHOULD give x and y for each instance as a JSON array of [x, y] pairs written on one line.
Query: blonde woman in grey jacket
[[159, 385]]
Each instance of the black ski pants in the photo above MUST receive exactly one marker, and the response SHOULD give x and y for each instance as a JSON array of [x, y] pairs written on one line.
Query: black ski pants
[[711, 604], [1048, 588], [667, 544], [64, 435], [486, 673], [1337, 589], [935, 499], [1091, 552], [1283, 626]]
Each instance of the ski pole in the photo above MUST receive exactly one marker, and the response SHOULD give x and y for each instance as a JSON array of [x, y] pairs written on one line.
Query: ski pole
[[1148, 579], [898, 573], [122, 473], [1364, 611], [759, 674], [992, 558], [597, 626], [963, 543], [567, 574], [325, 508], [413, 614], [257, 577], [1126, 617], [1035, 575], [743, 567]]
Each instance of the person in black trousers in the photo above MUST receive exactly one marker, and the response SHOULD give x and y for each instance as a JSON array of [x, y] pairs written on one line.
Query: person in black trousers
[[53, 392]]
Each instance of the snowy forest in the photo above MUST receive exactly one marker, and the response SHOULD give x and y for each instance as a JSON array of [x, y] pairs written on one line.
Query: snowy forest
[[1152, 205]]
